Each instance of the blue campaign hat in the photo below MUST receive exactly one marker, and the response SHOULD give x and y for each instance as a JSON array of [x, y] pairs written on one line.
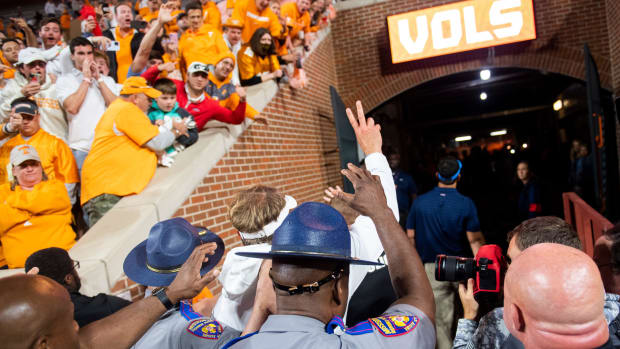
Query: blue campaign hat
[[156, 260], [312, 230]]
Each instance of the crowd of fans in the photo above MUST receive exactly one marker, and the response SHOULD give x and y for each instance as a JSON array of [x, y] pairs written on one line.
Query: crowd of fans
[[105, 91]]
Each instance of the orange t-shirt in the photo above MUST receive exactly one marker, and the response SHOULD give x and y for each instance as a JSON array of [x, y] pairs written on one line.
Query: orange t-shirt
[[123, 56], [212, 16], [56, 157], [251, 19], [65, 21], [149, 16], [251, 64], [35, 219], [204, 45], [10, 73], [172, 26], [118, 163], [294, 20]]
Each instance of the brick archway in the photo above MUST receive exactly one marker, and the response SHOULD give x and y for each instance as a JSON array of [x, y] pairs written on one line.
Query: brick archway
[[567, 62]]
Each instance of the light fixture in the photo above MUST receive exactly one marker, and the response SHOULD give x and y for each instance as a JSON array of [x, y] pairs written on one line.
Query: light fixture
[[557, 105], [483, 96], [462, 138], [512, 151], [509, 147], [485, 74], [499, 133], [524, 146]]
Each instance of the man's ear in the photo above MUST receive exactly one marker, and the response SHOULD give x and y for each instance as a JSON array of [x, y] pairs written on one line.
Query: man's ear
[[516, 318], [69, 279], [41, 343], [340, 291]]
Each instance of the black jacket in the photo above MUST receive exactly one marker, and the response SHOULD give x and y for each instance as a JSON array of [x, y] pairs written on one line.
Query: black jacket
[[90, 309]]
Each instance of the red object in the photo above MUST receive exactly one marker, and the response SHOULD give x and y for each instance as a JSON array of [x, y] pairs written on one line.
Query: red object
[[151, 74], [208, 109], [89, 11], [535, 208], [493, 277]]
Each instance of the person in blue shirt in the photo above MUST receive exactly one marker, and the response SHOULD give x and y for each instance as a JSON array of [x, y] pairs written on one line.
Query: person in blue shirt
[[406, 189], [443, 221], [529, 198]]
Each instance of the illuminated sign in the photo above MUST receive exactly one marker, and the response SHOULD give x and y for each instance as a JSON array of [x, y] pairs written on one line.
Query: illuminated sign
[[458, 27]]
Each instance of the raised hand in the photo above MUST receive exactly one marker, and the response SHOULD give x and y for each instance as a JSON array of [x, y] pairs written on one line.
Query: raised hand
[[369, 198], [168, 66], [165, 13], [368, 133], [188, 283]]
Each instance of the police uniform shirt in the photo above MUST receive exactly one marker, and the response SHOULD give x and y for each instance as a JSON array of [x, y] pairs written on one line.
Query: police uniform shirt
[[184, 328], [401, 326]]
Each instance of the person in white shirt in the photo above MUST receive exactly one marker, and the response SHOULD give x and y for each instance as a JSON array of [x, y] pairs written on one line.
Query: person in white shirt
[[258, 204], [232, 36], [85, 95], [32, 81], [50, 8]]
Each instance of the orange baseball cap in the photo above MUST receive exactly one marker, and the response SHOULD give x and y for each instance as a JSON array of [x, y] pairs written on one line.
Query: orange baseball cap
[[137, 84]]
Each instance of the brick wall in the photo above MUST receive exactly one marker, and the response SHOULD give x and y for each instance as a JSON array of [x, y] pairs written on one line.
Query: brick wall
[[613, 25], [563, 26]]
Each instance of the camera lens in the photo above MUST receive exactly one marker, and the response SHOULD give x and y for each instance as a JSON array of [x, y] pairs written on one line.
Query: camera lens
[[451, 268]]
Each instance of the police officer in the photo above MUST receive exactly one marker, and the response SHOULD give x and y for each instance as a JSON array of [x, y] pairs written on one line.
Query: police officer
[[155, 262], [311, 255]]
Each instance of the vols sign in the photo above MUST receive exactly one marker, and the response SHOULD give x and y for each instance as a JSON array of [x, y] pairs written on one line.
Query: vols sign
[[459, 27]]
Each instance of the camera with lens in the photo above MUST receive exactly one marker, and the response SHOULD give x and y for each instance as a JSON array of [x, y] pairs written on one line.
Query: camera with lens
[[487, 269]]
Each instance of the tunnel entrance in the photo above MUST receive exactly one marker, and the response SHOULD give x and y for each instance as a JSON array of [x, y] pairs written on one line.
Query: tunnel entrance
[[491, 120]]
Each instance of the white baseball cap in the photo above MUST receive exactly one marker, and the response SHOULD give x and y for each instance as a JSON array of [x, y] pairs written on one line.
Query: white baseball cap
[[22, 153], [29, 55], [198, 67]]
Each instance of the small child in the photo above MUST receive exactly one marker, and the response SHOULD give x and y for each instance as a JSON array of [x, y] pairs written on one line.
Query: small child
[[164, 111]]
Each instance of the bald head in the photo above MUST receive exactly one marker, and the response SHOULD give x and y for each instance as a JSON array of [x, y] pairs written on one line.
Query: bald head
[[554, 298], [36, 312]]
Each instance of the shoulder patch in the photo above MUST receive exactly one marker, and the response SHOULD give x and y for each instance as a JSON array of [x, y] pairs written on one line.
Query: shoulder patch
[[205, 328], [394, 325]]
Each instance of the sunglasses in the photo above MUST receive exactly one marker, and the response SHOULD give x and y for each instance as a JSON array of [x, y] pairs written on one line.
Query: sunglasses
[[39, 64], [27, 117]]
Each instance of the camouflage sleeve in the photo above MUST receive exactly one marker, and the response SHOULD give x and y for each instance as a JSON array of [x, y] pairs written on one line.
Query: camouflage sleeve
[[491, 331], [464, 332]]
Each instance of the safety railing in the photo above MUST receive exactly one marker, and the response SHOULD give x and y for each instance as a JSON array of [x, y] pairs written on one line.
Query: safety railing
[[588, 222]]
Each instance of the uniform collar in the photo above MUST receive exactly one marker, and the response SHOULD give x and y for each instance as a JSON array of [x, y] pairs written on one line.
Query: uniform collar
[[292, 323], [444, 190]]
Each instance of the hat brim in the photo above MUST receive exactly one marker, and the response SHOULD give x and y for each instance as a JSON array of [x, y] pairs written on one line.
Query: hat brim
[[272, 254], [135, 263]]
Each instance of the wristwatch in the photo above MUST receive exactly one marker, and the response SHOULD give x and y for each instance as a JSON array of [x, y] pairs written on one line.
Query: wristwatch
[[163, 298]]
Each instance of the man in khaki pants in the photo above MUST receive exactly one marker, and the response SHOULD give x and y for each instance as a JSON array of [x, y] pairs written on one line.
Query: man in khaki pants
[[441, 222]]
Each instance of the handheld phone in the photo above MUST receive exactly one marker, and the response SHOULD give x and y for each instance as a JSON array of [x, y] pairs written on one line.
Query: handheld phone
[[138, 25], [36, 77], [114, 46]]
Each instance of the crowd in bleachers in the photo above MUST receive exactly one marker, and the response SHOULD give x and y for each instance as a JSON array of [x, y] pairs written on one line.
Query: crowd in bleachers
[[76, 85]]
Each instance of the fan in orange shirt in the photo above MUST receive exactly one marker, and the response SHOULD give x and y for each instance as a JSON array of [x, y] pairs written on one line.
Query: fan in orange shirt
[[36, 211], [211, 14], [298, 21], [257, 59], [254, 14], [122, 159], [151, 11], [56, 158], [222, 90], [8, 56], [200, 43]]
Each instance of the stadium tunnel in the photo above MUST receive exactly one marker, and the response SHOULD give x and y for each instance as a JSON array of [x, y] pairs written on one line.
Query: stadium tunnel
[[492, 119]]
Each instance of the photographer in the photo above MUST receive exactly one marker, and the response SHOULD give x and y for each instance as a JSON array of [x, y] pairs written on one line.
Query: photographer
[[491, 331]]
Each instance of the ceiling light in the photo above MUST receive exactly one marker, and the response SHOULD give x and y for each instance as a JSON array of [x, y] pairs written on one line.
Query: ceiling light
[[524, 146], [512, 151], [557, 105], [463, 138], [485, 74], [499, 133], [483, 96], [508, 147]]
